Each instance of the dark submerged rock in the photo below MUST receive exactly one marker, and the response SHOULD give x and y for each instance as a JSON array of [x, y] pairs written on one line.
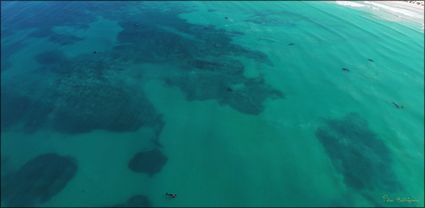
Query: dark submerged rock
[[51, 57], [21, 109], [97, 104], [362, 158], [38, 180], [214, 80], [64, 39], [136, 201], [274, 18], [84, 97], [48, 16], [7, 51], [149, 162], [13, 108], [189, 52], [225, 67]]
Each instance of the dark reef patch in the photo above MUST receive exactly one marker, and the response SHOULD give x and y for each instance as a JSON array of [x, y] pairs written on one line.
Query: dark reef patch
[[275, 18], [175, 41], [149, 162], [163, 37], [136, 201], [37, 116], [51, 57], [4, 166], [82, 98], [64, 39], [229, 67], [362, 158], [88, 104], [42, 17], [87, 96], [8, 50], [13, 108], [16, 108], [225, 82], [38, 180], [85, 66]]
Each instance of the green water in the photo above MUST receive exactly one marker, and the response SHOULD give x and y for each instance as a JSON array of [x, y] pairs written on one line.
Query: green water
[[217, 154]]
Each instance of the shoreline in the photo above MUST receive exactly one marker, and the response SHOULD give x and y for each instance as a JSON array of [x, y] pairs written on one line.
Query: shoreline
[[397, 11]]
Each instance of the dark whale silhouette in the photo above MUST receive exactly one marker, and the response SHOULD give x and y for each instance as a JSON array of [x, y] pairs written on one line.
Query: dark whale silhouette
[[398, 105]]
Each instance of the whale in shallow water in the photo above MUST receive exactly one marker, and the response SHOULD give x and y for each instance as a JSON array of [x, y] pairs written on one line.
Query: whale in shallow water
[[345, 69], [398, 105]]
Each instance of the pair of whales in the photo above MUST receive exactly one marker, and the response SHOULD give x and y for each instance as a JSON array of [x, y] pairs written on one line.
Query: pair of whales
[[347, 70], [398, 106]]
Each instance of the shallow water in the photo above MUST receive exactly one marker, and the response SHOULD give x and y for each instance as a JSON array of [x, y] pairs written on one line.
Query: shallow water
[[222, 103]]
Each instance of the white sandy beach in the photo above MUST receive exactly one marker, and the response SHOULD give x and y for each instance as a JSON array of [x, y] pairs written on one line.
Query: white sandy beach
[[391, 10]]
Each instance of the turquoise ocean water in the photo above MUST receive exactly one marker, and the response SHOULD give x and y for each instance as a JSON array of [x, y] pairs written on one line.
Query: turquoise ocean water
[[221, 103]]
